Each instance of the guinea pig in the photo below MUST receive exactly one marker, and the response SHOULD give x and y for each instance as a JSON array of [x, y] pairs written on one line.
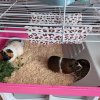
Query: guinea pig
[[63, 65], [79, 68], [12, 50]]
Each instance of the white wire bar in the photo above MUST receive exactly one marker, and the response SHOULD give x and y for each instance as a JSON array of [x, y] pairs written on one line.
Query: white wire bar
[[21, 13]]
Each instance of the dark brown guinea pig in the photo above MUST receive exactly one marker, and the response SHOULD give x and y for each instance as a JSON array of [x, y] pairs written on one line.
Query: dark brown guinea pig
[[79, 68], [63, 65]]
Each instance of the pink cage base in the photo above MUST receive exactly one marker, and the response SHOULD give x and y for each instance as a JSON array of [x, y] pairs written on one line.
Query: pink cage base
[[42, 89], [9, 34]]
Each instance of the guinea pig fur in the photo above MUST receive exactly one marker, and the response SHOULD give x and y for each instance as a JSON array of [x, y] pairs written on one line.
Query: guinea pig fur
[[63, 65], [6, 55], [79, 68]]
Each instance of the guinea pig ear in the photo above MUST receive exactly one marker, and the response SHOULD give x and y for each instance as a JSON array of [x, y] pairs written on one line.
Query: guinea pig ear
[[9, 51]]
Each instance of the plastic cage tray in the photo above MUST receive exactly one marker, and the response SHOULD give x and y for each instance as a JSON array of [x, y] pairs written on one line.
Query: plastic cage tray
[[41, 23]]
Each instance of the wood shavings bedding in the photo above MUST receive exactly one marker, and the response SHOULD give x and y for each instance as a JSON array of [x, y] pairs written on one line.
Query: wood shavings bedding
[[33, 66]]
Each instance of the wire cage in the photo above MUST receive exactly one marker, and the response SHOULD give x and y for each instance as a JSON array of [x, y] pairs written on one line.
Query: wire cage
[[49, 23], [46, 23], [42, 23]]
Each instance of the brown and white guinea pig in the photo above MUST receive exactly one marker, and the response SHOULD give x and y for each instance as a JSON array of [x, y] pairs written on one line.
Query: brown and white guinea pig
[[79, 68], [13, 49]]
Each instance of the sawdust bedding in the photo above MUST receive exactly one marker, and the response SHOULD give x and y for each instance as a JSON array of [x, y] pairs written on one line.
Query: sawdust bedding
[[33, 66]]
